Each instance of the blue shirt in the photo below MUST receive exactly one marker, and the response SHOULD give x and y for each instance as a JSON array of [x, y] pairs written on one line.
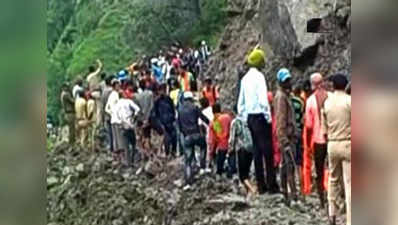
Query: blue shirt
[[253, 98], [157, 72]]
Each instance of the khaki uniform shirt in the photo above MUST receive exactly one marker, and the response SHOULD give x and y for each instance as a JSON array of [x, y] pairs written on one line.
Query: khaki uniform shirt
[[91, 110], [336, 117], [81, 109], [94, 81]]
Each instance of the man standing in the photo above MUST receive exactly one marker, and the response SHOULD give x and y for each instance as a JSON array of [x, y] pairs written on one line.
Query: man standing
[[68, 107], [254, 107], [298, 106], [106, 117], [91, 118], [286, 132], [78, 87], [94, 81], [188, 115], [81, 118], [315, 140], [336, 120], [126, 110], [110, 109], [165, 114], [145, 101], [93, 78]]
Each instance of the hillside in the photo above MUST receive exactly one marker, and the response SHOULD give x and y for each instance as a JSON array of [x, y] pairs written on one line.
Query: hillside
[[119, 31]]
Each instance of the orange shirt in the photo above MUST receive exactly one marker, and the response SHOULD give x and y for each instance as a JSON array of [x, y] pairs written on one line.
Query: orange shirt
[[219, 132], [313, 121], [210, 94]]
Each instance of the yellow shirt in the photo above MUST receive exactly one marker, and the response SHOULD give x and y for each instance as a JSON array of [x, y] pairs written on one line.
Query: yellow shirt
[[174, 96]]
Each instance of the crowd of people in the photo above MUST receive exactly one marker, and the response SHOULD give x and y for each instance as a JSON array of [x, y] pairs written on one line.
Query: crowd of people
[[302, 122]]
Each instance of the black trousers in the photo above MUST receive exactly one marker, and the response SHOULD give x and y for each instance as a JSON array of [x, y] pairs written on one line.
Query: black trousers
[[130, 138], [221, 157], [245, 160], [320, 153], [170, 140], [261, 132]]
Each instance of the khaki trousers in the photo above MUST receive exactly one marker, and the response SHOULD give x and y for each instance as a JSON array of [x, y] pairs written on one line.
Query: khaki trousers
[[82, 132], [339, 168], [70, 122], [98, 104]]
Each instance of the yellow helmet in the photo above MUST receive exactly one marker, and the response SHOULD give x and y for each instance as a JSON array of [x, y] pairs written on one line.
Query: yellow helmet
[[256, 58]]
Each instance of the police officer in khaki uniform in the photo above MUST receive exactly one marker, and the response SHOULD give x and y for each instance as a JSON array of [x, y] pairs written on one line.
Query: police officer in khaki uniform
[[81, 118], [68, 108]]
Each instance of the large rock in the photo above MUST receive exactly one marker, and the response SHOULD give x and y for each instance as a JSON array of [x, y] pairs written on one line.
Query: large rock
[[279, 27]]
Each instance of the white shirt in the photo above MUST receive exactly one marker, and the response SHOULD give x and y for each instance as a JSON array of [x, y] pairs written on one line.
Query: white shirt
[[208, 112], [168, 68], [253, 98], [126, 109], [110, 107]]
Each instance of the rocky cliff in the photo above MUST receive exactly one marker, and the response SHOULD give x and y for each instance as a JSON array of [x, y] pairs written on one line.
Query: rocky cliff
[[280, 28]]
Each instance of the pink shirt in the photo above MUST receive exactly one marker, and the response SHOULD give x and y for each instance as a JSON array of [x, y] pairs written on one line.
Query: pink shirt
[[313, 121]]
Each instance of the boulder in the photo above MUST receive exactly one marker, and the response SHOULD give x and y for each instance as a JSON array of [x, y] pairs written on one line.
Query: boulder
[[279, 27]]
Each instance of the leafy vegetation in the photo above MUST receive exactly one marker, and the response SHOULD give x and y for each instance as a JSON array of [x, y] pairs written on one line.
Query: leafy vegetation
[[118, 32]]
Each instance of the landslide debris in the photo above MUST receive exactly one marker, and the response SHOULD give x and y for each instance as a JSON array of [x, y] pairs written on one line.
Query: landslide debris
[[89, 188]]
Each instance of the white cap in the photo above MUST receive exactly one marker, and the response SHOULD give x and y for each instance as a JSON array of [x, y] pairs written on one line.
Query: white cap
[[114, 81], [188, 95], [154, 60], [203, 42]]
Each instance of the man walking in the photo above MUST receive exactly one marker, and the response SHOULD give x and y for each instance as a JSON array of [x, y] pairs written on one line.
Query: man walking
[[165, 114], [286, 132], [188, 115], [336, 120], [218, 140], [253, 105]]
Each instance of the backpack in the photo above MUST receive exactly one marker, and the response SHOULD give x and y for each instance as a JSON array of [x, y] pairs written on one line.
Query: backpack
[[246, 135]]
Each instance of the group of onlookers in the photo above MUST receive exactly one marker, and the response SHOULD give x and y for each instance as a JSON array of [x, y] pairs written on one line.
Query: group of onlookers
[[299, 123]]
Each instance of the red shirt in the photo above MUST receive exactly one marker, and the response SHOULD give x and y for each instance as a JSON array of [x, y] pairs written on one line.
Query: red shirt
[[176, 62], [219, 132]]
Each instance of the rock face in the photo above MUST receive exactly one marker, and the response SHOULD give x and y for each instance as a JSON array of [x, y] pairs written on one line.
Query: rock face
[[279, 27]]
